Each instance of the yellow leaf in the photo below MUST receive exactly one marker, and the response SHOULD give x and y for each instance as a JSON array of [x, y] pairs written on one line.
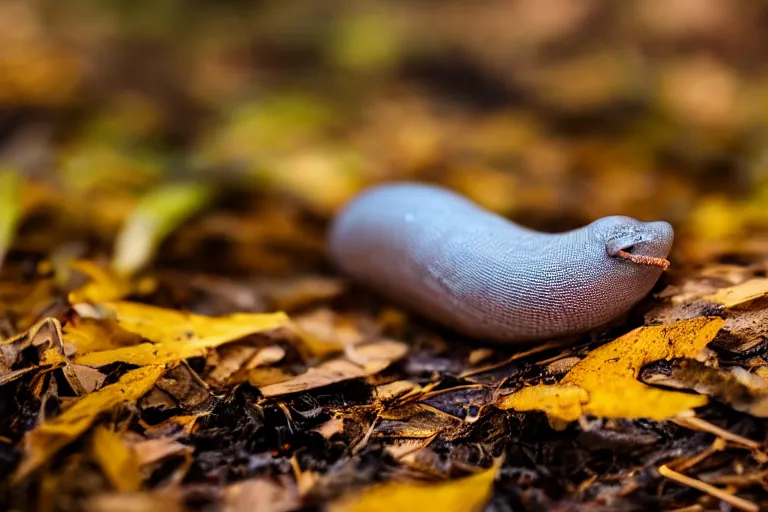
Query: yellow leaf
[[176, 335], [89, 335], [117, 460], [741, 293], [10, 208], [462, 495], [156, 216], [609, 373], [561, 402], [105, 285], [48, 438]]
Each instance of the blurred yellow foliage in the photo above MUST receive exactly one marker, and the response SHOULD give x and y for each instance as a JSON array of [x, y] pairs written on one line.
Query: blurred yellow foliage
[[462, 495], [117, 460]]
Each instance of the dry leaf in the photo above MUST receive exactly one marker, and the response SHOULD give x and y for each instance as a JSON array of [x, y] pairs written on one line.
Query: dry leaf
[[373, 358], [83, 379], [330, 372], [48, 438], [609, 373], [462, 495]]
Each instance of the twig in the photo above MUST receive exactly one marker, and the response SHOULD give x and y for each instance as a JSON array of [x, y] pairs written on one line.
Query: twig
[[700, 424], [735, 501]]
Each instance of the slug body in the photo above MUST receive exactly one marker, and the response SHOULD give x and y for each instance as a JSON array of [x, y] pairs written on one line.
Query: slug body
[[439, 254]]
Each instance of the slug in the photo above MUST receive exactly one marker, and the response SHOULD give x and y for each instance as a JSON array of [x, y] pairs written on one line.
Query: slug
[[439, 254]]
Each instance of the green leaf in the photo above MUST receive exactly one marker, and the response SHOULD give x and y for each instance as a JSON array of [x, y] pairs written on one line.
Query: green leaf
[[156, 216]]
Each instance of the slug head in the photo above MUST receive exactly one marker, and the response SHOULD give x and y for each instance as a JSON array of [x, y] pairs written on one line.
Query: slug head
[[633, 240]]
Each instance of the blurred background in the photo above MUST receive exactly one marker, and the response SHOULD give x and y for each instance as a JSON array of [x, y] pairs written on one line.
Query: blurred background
[[259, 119]]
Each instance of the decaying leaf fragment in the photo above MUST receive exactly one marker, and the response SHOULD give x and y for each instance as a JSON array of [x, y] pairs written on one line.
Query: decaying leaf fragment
[[48, 438], [609, 374], [176, 335], [462, 495], [366, 360]]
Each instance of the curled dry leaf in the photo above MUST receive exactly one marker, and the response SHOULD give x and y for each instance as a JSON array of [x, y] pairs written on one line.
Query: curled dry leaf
[[45, 337], [739, 389]]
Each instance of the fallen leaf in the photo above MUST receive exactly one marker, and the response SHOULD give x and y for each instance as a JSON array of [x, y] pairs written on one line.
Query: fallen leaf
[[372, 358], [176, 335], [609, 373], [117, 460], [48, 438], [324, 374], [461, 495], [562, 402], [90, 335], [605, 383], [45, 336], [83, 379], [740, 294], [396, 390], [415, 420]]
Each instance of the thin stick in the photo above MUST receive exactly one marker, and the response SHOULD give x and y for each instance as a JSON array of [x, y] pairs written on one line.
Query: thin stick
[[739, 503], [700, 424], [645, 260]]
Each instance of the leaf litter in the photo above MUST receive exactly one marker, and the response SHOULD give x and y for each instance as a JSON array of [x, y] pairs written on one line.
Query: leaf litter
[[172, 338]]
